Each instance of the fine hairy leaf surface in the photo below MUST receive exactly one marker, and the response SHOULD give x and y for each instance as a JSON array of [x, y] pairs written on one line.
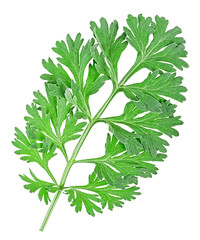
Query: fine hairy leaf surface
[[110, 45], [35, 147], [144, 127], [146, 95], [137, 139], [119, 168], [57, 73], [74, 56], [37, 184], [43, 130], [164, 52], [98, 191], [59, 112]]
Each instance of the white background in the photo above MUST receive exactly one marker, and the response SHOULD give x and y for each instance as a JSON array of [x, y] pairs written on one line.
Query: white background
[[169, 207]]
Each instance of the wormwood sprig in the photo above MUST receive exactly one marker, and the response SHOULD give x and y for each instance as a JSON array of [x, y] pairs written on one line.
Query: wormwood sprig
[[63, 114]]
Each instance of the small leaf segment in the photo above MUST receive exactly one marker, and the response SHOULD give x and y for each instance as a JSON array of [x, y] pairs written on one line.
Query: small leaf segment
[[63, 114]]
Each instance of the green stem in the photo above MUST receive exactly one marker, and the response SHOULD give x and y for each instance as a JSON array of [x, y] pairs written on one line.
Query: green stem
[[65, 174], [105, 105], [132, 70], [53, 203], [81, 140], [75, 153]]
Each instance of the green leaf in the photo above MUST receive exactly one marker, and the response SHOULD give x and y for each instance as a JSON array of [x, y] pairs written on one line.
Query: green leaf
[[74, 56], [94, 81], [137, 140], [164, 52], [76, 98], [163, 122], [72, 128], [151, 140], [110, 196], [81, 102], [37, 184], [49, 103], [25, 148], [48, 150], [129, 139], [35, 148], [139, 31], [63, 110], [146, 94], [60, 113], [119, 168], [102, 193], [70, 98], [57, 90], [41, 141], [79, 198], [142, 100], [110, 46], [40, 121], [56, 73], [145, 126], [101, 64]]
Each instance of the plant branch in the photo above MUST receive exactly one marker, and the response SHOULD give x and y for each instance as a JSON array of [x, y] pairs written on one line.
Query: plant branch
[[96, 118], [53, 203]]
